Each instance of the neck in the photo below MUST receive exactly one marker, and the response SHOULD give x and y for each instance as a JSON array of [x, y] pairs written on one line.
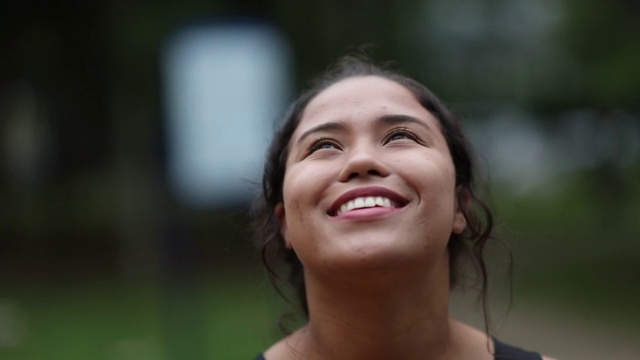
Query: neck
[[395, 317]]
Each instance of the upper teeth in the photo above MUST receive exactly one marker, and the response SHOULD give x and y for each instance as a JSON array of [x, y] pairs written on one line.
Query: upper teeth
[[365, 202]]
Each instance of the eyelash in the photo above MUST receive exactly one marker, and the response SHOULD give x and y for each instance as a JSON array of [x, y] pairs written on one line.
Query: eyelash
[[401, 131], [318, 143]]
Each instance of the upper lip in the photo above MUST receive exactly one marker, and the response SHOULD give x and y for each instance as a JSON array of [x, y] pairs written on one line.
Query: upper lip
[[366, 191]]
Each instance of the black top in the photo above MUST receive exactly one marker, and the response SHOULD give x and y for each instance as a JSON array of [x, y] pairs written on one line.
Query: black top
[[503, 352]]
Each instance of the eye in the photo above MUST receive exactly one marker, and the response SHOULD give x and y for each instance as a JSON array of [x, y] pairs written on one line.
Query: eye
[[400, 134], [323, 143]]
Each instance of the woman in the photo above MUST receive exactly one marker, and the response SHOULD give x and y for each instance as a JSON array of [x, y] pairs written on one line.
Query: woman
[[369, 198]]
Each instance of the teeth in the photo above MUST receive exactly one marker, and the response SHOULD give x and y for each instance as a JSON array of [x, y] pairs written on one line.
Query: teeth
[[365, 202]]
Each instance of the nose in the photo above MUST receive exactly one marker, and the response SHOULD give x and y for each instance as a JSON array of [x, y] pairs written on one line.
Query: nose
[[361, 163]]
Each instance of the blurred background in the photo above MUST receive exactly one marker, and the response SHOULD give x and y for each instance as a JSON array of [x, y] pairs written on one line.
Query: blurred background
[[132, 135]]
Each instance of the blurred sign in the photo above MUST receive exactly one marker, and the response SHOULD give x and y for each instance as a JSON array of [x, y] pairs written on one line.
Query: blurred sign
[[225, 86]]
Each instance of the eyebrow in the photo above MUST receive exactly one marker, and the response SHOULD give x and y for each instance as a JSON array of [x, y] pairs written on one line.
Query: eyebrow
[[384, 120], [331, 127], [395, 119]]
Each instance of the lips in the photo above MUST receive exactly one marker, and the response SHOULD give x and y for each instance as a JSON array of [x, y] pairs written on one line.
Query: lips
[[366, 197]]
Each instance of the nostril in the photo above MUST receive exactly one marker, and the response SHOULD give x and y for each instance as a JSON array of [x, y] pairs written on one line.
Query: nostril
[[371, 172], [363, 166]]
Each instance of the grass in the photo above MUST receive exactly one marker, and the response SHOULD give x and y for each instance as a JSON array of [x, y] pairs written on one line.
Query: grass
[[228, 318]]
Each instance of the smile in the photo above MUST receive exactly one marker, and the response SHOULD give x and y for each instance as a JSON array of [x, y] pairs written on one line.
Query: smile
[[366, 202], [366, 198]]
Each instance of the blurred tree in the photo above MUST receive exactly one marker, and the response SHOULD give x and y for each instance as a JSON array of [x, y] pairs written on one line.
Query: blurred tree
[[93, 70], [603, 39]]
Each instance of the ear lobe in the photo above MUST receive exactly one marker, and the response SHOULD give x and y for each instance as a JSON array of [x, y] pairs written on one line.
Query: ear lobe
[[459, 218], [459, 222], [282, 220]]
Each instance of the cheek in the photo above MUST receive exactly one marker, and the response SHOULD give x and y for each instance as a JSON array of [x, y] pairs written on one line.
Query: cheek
[[295, 213], [433, 176], [303, 191], [305, 184]]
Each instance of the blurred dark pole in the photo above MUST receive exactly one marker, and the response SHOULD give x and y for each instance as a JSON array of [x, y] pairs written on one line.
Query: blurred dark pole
[[320, 32], [61, 51], [53, 69], [159, 238], [158, 246]]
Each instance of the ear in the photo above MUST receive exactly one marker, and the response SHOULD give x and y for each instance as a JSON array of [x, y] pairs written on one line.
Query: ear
[[282, 220], [462, 204]]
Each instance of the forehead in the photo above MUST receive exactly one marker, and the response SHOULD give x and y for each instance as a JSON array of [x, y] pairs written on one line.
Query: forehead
[[362, 97]]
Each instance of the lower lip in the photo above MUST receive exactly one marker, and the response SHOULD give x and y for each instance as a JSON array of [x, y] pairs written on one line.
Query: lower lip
[[367, 213]]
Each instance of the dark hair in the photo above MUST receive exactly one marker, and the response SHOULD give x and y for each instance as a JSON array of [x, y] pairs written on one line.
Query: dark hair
[[478, 216]]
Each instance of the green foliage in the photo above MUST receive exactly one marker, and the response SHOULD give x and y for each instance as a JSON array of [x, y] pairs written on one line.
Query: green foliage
[[575, 246]]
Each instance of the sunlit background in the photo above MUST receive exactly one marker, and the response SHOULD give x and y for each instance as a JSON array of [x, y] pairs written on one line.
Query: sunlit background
[[132, 136]]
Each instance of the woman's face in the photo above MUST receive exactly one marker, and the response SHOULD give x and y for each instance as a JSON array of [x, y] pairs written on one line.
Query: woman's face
[[369, 181]]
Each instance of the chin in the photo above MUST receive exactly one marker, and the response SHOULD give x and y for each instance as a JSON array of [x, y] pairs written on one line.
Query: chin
[[364, 256]]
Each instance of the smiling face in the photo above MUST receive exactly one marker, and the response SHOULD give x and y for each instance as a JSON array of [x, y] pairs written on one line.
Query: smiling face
[[369, 181]]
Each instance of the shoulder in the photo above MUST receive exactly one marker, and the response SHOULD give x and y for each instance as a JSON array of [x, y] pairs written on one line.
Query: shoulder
[[469, 343], [279, 350], [285, 347], [478, 342]]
